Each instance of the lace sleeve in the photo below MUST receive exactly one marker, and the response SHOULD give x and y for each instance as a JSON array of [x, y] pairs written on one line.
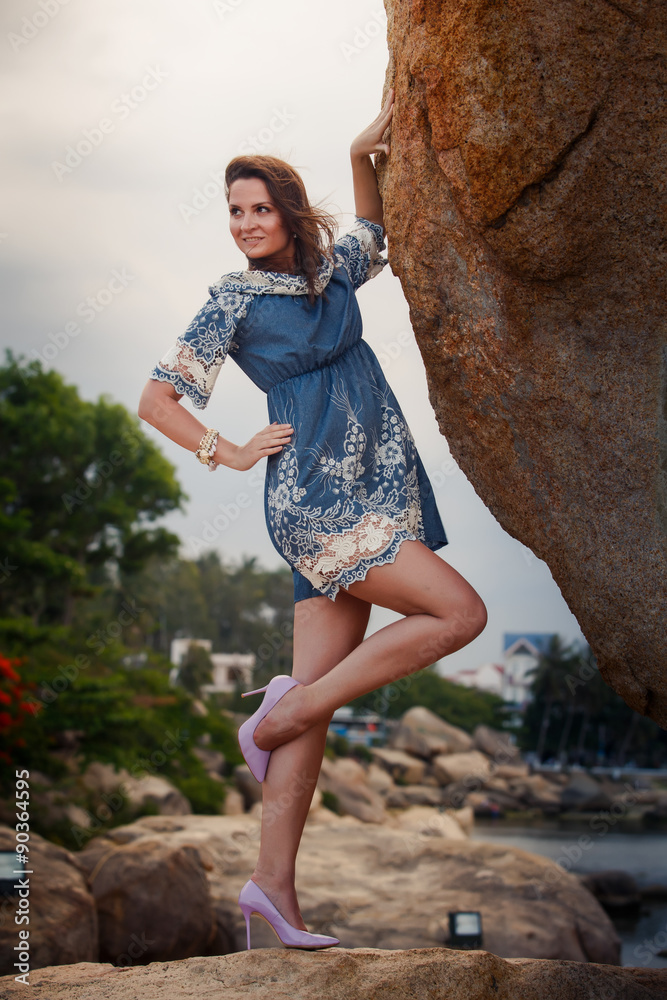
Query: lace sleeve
[[193, 363], [358, 251]]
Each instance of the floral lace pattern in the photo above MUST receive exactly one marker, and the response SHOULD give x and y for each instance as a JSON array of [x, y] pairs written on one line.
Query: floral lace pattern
[[192, 365], [335, 545], [359, 251]]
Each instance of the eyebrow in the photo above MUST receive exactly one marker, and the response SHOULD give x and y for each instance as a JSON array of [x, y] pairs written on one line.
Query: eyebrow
[[256, 205]]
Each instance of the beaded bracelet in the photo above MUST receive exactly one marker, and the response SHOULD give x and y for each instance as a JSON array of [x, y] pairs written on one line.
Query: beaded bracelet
[[206, 449]]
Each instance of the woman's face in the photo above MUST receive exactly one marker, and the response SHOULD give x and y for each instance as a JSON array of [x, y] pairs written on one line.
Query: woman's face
[[256, 224]]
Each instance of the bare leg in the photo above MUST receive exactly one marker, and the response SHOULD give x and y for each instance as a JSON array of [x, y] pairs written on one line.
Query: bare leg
[[443, 614], [324, 633]]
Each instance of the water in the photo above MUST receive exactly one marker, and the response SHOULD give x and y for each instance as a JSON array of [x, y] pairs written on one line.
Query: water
[[582, 850]]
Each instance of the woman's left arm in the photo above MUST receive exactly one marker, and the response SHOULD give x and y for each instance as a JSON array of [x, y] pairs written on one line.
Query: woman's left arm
[[367, 200]]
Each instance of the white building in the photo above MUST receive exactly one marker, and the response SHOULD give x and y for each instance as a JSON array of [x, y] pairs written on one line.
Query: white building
[[229, 669], [522, 653], [487, 677], [510, 680]]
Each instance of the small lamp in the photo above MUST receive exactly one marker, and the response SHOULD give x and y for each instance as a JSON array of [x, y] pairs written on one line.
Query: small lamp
[[465, 929], [7, 876]]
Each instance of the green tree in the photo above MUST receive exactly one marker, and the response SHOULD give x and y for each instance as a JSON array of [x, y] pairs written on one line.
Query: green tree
[[574, 717], [81, 487]]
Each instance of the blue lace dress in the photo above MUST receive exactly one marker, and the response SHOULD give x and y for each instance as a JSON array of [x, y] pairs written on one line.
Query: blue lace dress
[[351, 486]]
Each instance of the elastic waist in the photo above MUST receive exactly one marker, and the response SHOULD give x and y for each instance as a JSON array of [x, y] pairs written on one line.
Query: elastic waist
[[323, 366]]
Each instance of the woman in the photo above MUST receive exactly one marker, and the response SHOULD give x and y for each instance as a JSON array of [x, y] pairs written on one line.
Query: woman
[[348, 503]]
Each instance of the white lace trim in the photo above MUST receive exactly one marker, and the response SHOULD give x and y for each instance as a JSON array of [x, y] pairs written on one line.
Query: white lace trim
[[346, 558]]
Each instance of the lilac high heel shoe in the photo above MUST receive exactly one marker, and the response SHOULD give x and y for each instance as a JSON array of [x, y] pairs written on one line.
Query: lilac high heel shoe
[[256, 759], [253, 900]]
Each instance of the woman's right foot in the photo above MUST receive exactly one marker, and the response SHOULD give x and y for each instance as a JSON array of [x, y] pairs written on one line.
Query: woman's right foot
[[284, 900]]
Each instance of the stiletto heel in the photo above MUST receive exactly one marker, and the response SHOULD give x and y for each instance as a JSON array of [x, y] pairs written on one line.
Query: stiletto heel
[[244, 694], [253, 900], [246, 911], [256, 759]]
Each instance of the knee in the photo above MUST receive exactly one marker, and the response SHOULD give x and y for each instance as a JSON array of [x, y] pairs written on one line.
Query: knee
[[464, 622], [477, 616]]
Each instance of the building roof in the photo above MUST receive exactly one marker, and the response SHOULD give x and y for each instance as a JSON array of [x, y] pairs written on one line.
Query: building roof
[[532, 643]]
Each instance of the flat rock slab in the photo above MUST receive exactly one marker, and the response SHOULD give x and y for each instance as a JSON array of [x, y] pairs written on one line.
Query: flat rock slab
[[341, 974]]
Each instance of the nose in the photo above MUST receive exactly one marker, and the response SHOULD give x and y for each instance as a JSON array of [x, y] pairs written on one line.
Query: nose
[[248, 222]]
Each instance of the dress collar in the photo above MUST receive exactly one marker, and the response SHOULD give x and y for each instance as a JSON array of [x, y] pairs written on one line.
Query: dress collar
[[271, 282]]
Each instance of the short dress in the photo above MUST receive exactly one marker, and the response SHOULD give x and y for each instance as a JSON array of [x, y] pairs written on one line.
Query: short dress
[[350, 487]]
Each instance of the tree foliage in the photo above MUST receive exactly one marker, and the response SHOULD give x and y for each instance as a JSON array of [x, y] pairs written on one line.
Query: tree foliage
[[80, 488], [461, 706], [575, 718]]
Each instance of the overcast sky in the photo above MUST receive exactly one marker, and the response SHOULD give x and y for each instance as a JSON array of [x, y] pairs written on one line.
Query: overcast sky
[[118, 120]]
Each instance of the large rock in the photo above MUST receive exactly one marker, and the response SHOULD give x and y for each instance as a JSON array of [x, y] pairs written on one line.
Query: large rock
[[345, 778], [339, 974], [523, 200], [152, 898], [616, 890], [63, 921], [496, 744], [472, 767], [107, 783], [400, 765], [584, 792], [391, 886], [537, 792], [403, 796], [425, 734]]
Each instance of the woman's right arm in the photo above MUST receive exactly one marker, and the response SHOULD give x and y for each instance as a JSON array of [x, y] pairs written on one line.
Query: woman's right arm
[[160, 406]]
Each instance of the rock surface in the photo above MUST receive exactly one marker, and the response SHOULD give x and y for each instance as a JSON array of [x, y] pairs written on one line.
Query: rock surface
[[63, 922], [524, 204], [339, 974], [345, 779], [472, 766], [425, 734], [378, 886], [152, 898], [105, 780]]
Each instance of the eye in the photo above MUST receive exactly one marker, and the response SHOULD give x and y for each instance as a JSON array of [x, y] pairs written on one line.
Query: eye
[[263, 208]]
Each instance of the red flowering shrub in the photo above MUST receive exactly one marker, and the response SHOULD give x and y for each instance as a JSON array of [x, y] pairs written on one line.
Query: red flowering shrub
[[16, 707]]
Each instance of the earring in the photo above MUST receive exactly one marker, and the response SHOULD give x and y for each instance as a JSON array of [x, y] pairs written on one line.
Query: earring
[[295, 236]]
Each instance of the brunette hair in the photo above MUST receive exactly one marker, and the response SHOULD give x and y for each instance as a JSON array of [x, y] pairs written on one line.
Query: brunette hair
[[315, 229]]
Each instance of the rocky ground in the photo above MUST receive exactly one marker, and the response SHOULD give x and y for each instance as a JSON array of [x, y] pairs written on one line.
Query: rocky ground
[[383, 871], [339, 974]]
